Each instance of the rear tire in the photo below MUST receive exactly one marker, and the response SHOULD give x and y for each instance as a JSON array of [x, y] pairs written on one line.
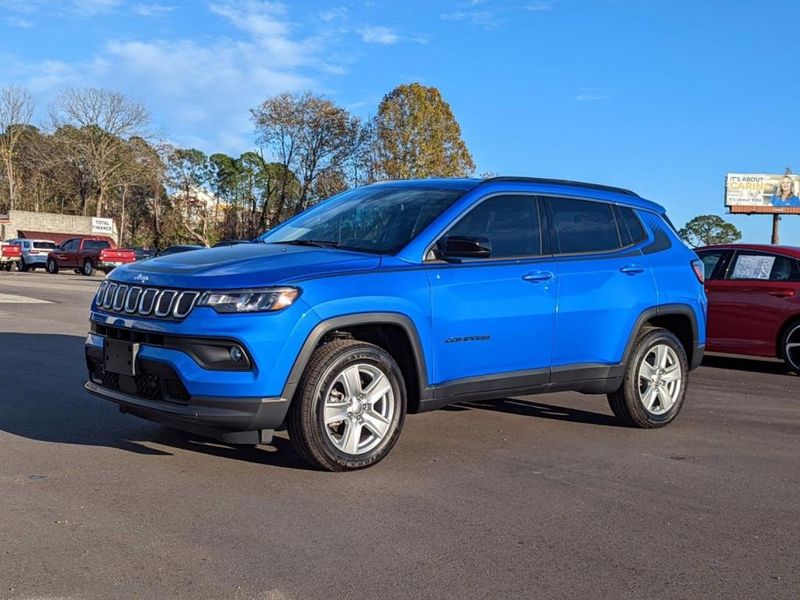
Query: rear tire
[[790, 347], [654, 385], [52, 266], [88, 268], [349, 407]]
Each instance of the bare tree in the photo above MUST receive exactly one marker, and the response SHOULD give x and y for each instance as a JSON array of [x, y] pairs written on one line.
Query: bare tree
[[310, 136], [104, 120], [16, 111]]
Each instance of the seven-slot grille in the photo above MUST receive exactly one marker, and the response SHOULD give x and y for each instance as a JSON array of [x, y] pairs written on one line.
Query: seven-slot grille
[[145, 301]]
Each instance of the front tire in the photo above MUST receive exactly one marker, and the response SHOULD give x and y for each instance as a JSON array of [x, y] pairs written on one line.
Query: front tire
[[349, 407], [52, 266], [790, 347], [21, 266], [654, 385]]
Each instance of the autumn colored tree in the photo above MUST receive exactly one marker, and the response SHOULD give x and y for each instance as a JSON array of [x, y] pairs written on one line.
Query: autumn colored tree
[[417, 136]]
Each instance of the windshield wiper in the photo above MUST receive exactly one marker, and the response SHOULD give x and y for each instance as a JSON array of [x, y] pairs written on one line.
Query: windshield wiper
[[317, 243]]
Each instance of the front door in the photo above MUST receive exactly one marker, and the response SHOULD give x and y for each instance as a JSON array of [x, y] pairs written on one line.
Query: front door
[[495, 316]]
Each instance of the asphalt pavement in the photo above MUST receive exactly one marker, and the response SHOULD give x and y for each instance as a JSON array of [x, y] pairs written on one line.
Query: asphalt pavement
[[536, 497]]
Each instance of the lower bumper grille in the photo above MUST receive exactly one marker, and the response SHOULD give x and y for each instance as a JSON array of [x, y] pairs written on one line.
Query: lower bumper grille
[[156, 381]]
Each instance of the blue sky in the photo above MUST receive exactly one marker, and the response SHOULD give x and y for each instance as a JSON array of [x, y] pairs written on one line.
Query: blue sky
[[661, 97]]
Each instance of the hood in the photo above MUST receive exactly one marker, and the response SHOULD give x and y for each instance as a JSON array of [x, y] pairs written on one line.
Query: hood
[[243, 266]]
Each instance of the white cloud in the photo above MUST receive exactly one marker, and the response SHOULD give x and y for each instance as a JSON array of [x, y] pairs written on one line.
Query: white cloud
[[90, 8], [378, 35], [200, 90], [593, 95], [153, 9], [334, 14], [480, 18], [541, 6]]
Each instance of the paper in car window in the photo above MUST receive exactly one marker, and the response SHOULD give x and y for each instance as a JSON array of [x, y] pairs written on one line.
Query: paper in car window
[[753, 267]]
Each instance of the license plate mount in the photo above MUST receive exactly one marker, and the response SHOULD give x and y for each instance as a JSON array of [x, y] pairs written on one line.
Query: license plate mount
[[120, 357]]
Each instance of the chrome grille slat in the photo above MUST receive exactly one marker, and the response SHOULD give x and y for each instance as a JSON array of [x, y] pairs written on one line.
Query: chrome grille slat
[[164, 304], [132, 299], [119, 298], [109, 297], [135, 300], [148, 301]]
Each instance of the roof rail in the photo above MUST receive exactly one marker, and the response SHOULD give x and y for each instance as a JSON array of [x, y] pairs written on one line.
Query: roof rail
[[566, 182]]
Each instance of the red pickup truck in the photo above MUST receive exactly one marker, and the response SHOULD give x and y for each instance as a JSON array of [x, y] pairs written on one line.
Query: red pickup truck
[[10, 255], [86, 254]]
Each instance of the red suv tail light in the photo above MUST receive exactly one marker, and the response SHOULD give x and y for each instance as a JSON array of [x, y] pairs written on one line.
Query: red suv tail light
[[699, 270]]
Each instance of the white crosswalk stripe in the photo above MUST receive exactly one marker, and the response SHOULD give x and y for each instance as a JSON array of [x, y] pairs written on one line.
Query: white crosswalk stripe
[[14, 299]]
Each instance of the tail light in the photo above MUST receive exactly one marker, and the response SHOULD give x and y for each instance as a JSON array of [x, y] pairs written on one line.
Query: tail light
[[699, 270]]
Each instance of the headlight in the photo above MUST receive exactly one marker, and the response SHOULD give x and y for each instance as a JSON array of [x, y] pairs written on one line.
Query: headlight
[[247, 301]]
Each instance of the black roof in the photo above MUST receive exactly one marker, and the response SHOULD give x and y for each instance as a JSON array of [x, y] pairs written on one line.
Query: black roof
[[564, 182]]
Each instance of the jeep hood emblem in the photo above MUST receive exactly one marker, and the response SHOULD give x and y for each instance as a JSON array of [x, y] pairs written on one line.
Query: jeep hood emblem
[[141, 278]]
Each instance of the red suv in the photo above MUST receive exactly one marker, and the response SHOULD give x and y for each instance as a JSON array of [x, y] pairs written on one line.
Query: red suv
[[753, 300]]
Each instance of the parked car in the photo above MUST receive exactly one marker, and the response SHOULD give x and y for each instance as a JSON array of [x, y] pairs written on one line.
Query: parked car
[[87, 254], [230, 243], [10, 255], [404, 297], [33, 252], [144, 253], [178, 249], [753, 300]]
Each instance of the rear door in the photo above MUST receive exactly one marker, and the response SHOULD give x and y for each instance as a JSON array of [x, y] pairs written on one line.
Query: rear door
[[496, 315], [752, 300], [605, 283]]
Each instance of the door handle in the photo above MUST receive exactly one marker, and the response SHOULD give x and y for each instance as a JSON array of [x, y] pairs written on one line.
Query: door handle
[[782, 293], [632, 269], [538, 276]]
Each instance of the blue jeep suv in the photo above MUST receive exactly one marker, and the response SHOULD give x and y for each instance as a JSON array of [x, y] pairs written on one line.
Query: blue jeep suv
[[404, 297]]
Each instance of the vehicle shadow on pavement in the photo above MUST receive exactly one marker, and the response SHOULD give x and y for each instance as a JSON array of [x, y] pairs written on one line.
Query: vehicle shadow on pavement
[[278, 453], [42, 398], [753, 365], [538, 409]]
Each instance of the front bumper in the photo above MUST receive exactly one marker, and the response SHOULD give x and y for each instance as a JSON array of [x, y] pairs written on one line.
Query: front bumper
[[158, 393], [229, 419]]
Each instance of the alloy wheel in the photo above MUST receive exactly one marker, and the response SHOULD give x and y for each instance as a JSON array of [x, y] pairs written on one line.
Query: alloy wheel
[[791, 349], [660, 379], [359, 409]]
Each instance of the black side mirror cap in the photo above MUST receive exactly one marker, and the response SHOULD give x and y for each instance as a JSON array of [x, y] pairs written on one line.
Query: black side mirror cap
[[462, 246]]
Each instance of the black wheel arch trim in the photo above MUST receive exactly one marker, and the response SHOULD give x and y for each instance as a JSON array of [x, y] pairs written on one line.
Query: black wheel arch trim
[[664, 310], [327, 326]]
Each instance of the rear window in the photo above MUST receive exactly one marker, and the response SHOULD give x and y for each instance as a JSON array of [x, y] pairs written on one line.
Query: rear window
[[95, 244], [44, 245], [585, 226]]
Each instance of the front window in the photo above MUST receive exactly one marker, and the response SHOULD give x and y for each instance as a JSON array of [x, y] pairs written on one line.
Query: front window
[[378, 219]]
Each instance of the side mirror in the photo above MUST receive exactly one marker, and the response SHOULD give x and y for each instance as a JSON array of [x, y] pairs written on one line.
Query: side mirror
[[462, 246]]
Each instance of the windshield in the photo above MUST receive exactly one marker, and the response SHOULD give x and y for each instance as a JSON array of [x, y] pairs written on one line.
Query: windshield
[[376, 219]]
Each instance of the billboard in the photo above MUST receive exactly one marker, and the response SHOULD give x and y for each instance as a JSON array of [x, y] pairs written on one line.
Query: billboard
[[751, 193]]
